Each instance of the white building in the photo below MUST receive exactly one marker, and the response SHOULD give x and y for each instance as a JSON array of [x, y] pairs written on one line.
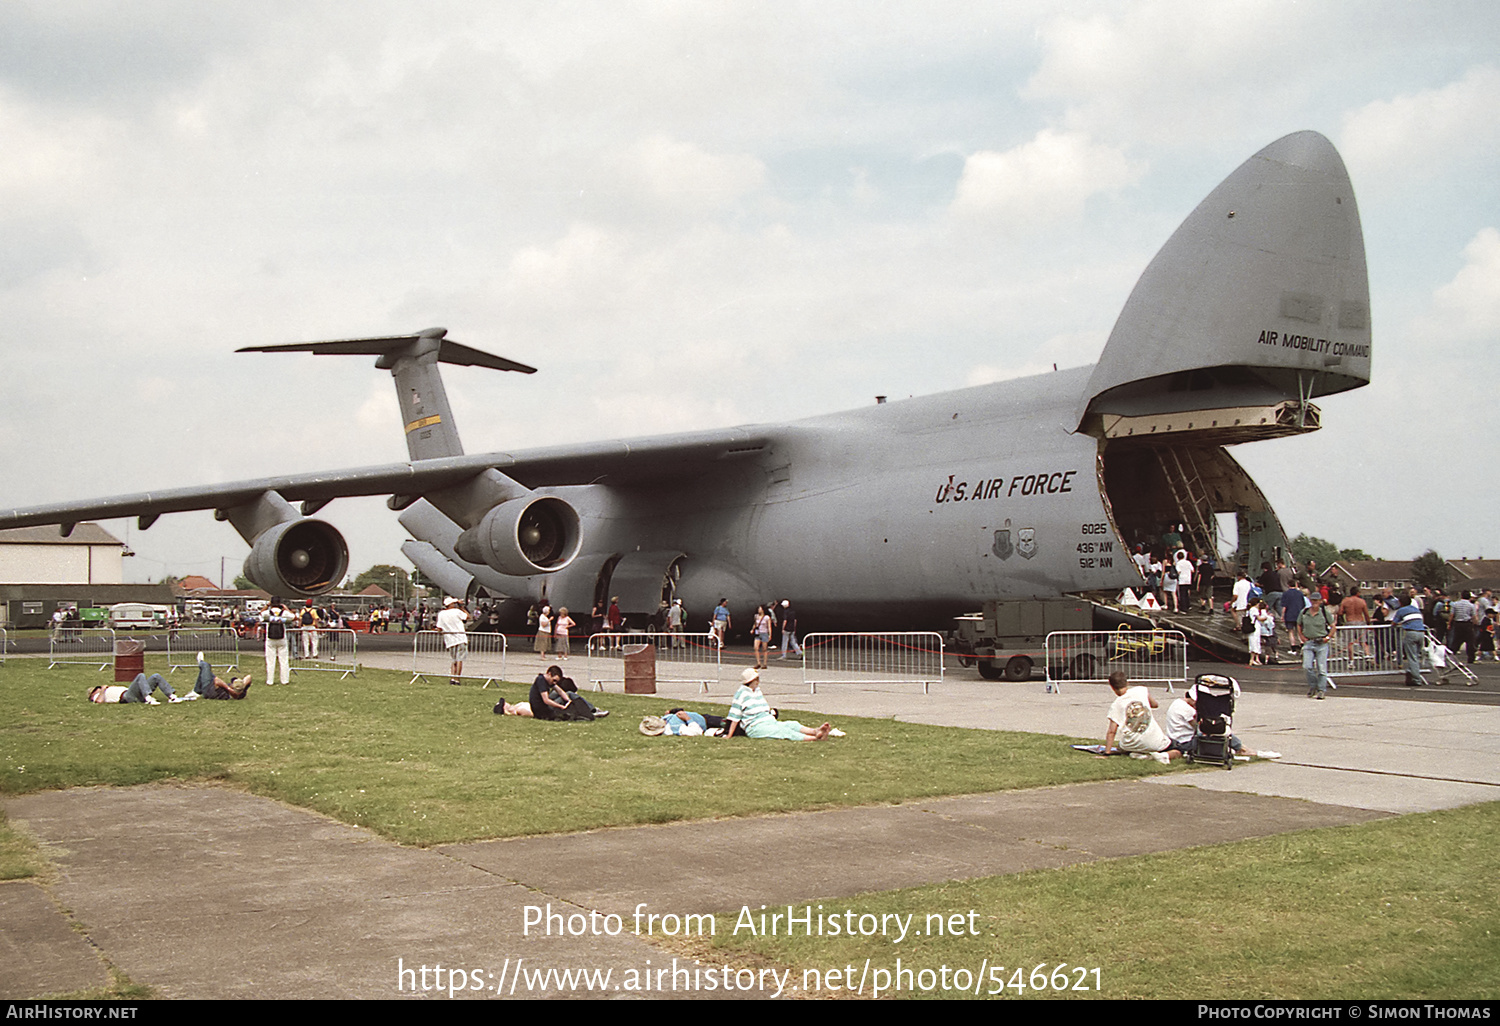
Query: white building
[[39, 555]]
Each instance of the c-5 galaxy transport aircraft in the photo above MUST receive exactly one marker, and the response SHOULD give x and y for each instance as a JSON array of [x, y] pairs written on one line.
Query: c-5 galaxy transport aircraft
[[899, 514]]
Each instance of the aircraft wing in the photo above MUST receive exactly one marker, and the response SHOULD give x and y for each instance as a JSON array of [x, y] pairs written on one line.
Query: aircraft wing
[[622, 462], [629, 462]]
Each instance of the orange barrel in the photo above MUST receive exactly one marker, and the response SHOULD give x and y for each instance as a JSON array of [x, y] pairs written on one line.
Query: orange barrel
[[130, 659], [640, 670]]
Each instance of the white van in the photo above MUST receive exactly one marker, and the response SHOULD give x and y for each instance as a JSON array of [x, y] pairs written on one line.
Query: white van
[[130, 616]]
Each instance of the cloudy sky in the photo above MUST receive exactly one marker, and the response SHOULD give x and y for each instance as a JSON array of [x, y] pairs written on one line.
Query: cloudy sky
[[691, 215]]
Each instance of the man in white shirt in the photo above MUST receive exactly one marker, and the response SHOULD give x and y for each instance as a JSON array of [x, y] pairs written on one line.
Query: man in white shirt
[[455, 638], [1184, 569], [1242, 588], [1130, 718], [278, 620], [675, 622]]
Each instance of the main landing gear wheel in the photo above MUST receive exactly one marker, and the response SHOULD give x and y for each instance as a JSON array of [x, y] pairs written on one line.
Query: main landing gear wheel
[[1018, 668]]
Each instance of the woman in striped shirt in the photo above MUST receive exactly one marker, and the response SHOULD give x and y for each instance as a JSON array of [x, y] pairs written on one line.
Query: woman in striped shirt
[[751, 711]]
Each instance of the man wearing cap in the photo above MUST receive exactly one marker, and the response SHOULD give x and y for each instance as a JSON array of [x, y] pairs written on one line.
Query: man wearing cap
[[1316, 625], [139, 691], [455, 638]]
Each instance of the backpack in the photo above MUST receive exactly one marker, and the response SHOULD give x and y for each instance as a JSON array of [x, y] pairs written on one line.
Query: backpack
[[276, 629]]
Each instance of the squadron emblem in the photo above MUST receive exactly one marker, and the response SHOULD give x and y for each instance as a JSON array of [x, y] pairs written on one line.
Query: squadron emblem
[[1026, 542], [1003, 547]]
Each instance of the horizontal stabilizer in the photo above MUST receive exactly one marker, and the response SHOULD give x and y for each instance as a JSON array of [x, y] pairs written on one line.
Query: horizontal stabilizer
[[398, 345]]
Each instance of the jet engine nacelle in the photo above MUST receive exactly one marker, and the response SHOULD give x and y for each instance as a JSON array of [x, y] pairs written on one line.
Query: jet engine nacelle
[[298, 558], [535, 534]]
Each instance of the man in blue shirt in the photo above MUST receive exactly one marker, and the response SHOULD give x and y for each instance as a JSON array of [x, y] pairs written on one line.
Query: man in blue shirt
[[1412, 631], [720, 625]]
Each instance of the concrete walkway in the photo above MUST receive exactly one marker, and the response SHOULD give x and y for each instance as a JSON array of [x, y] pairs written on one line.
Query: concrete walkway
[[208, 892]]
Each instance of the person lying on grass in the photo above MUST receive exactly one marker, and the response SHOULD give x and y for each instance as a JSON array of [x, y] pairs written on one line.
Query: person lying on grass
[[687, 723], [710, 724], [750, 710], [1130, 717], [210, 686], [680, 723], [140, 691]]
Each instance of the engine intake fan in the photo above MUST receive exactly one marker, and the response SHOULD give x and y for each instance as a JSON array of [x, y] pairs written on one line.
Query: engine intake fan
[[524, 536]]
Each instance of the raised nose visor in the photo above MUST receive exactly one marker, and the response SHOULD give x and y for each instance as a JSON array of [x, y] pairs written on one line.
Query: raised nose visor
[[1259, 298]]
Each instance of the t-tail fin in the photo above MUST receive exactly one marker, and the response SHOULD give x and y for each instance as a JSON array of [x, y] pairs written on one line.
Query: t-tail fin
[[412, 361]]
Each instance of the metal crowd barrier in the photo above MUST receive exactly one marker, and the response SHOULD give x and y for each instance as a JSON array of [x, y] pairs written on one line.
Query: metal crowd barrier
[[338, 651], [485, 661], [87, 646], [184, 644], [680, 658], [891, 657], [1368, 650], [4, 643], [1145, 657]]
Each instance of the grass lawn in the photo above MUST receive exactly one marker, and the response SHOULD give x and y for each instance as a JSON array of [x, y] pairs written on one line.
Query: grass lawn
[[20, 858], [428, 763], [1403, 908]]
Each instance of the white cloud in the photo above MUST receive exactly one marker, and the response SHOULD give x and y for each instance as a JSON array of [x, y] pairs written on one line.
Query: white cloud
[[1469, 305], [1421, 134], [687, 177], [1045, 180], [379, 412], [569, 268], [50, 158], [1156, 70], [1069, 349]]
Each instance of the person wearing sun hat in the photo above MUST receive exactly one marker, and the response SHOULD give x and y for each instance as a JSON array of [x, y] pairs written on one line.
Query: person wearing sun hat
[[455, 636], [751, 711]]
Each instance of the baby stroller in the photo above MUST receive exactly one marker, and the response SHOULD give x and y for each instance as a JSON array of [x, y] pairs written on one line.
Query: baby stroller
[[1214, 701]]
